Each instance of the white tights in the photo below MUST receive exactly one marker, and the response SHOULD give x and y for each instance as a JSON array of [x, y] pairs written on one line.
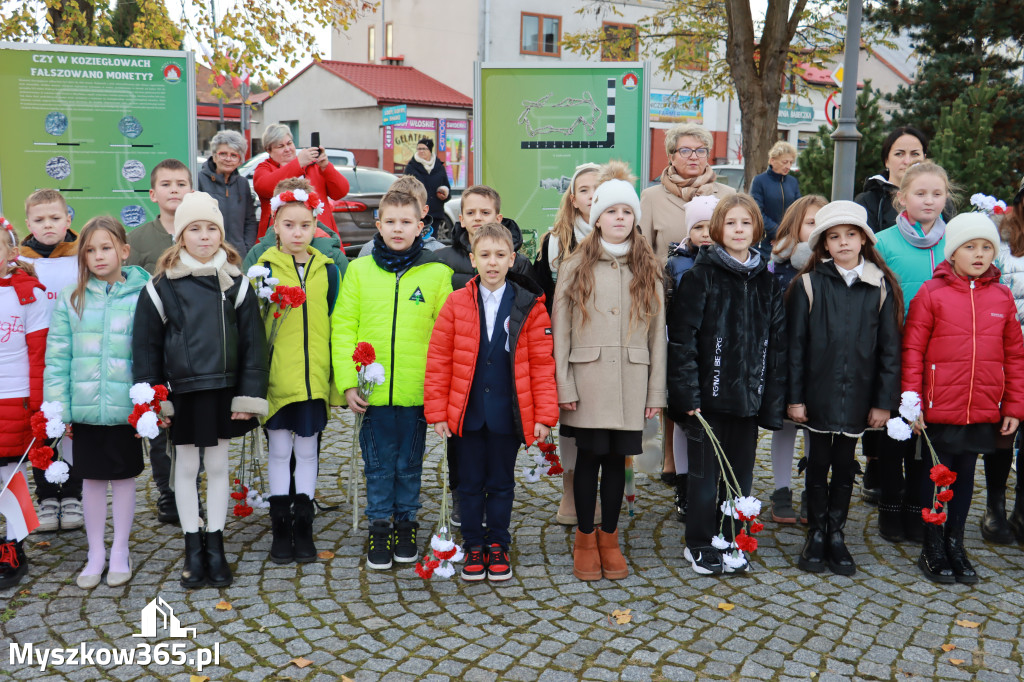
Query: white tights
[[186, 469], [279, 445], [94, 508]]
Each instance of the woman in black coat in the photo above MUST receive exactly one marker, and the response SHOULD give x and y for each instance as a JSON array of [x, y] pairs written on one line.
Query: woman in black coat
[[219, 178], [430, 170]]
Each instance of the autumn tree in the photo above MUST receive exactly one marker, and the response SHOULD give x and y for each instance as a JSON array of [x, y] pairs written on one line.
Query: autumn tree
[[719, 50]]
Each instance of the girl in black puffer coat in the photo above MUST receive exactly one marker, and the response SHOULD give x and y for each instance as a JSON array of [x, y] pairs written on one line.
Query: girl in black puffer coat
[[726, 358], [843, 315]]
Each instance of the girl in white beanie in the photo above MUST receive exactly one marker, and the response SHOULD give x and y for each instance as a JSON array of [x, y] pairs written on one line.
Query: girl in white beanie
[[609, 326], [198, 330]]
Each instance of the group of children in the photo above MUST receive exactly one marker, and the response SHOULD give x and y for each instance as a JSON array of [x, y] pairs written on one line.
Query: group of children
[[494, 353]]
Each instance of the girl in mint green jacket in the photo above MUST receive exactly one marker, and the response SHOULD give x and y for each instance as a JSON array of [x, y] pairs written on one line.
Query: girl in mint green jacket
[[89, 372]]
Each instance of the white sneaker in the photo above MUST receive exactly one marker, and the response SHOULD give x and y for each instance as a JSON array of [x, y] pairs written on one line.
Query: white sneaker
[[49, 515], [71, 515]]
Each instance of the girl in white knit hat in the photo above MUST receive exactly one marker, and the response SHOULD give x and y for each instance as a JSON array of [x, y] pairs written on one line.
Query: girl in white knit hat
[[198, 330], [609, 326]]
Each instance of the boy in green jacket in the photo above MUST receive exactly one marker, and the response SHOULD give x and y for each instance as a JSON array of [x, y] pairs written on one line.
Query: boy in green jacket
[[390, 301]]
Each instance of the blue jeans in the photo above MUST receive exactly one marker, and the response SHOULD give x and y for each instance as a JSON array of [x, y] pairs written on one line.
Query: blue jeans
[[392, 439]]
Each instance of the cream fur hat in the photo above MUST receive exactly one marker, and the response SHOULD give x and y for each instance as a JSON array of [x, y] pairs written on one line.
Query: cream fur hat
[[837, 213], [197, 206], [968, 226], [612, 192]]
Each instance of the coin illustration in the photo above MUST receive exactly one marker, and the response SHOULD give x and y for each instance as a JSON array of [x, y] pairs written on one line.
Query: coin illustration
[[56, 123], [133, 170], [130, 126], [58, 167], [133, 216]]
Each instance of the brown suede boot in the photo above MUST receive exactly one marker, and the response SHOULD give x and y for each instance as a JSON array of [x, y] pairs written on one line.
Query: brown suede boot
[[586, 561], [566, 514], [613, 564]]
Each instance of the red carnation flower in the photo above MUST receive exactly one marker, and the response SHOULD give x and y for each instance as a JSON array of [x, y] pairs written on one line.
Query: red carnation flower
[[364, 354], [277, 315], [242, 509], [745, 542], [424, 572], [555, 470], [445, 556], [237, 496], [756, 527], [551, 457], [41, 457], [945, 496], [38, 424], [942, 476], [139, 410], [931, 517], [432, 563], [546, 447]]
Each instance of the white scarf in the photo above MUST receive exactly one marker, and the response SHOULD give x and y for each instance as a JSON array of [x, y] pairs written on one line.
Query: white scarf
[[429, 165], [217, 262], [616, 250], [580, 228]]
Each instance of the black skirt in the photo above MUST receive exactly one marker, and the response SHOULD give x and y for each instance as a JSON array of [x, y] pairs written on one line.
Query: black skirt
[[958, 439], [305, 418], [600, 442], [105, 453], [204, 417]]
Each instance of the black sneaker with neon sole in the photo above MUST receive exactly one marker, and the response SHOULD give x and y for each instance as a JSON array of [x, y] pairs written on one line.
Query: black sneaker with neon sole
[[404, 548]]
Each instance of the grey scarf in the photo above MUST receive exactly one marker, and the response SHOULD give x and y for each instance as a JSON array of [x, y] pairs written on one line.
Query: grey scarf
[[736, 266], [913, 233], [798, 257]]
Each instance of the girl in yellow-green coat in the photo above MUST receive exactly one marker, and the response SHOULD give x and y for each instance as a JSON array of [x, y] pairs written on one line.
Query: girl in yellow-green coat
[[300, 366]]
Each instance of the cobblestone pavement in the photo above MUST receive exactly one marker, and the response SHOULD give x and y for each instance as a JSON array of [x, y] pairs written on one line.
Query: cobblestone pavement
[[884, 623]]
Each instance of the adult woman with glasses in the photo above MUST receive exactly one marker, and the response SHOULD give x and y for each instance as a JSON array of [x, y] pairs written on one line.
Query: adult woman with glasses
[[687, 175], [219, 178], [288, 162], [430, 170], [662, 221]]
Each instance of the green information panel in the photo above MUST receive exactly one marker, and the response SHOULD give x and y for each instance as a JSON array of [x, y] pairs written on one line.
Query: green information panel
[[536, 124], [92, 122]]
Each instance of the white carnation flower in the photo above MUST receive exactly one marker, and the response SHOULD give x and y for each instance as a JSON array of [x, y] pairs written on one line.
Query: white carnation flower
[[439, 544], [445, 570], [749, 506], [141, 393], [531, 475], [148, 425], [459, 555], [729, 508], [300, 194], [898, 429], [264, 292], [54, 428], [734, 559], [57, 472], [52, 410], [373, 373], [271, 281], [720, 543], [257, 271], [539, 460]]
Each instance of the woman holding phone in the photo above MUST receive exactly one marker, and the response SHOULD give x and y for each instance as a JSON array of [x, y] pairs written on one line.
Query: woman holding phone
[[288, 162]]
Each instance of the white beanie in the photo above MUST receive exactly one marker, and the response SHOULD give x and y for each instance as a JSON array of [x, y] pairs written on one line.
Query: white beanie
[[837, 213], [197, 206], [968, 226], [699, 209], [610, 193]]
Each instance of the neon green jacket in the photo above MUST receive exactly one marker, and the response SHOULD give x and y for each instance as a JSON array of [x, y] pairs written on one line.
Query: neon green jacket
[[300, 367], [394, 313]]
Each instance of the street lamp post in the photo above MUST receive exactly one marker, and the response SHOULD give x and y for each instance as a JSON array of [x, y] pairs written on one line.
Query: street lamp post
[[844, 167]]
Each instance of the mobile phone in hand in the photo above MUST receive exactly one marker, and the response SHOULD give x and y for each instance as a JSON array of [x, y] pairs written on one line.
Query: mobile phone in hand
[[314, 140]]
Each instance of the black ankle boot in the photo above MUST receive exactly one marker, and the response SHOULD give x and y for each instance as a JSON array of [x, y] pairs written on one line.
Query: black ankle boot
[[934, 563], [840, 561], [994, 526], [13, 563], [302, 530], [166, 507], [871, 487], [194, 573], [218, 573], [957, 555], [890, 521], [1017, 517], [681, 502], [913, 524], [812, 557], [281, 551]]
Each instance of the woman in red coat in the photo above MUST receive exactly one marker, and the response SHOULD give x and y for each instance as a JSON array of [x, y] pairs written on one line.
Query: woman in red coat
[[287, 162], [963, 354]]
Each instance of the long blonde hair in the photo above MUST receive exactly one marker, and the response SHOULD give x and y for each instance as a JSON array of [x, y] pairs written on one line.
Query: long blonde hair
[[9, 262], [925, 168], [565, 218], [170, 257], [640, 259], [103, 223]]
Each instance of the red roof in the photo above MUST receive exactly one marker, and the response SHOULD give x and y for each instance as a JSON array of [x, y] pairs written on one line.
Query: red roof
[[397, 84]]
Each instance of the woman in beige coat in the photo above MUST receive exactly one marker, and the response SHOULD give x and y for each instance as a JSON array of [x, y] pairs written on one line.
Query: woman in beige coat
[[610, 354], [663, 209]]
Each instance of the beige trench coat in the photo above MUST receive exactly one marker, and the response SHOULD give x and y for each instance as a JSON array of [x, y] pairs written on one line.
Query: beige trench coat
[[662, 216], [610, 373]]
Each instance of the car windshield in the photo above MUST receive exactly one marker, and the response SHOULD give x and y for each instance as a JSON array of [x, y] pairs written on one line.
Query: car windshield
[[365, 180]]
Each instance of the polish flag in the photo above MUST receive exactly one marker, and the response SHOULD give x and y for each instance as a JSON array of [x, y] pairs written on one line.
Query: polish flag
[[16, 506]]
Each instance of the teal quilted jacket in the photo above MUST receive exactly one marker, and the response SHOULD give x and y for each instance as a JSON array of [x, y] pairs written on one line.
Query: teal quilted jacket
[[89, 358]]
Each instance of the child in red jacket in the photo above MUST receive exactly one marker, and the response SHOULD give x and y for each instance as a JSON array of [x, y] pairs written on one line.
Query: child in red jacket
[[964, 355], [491, 383]]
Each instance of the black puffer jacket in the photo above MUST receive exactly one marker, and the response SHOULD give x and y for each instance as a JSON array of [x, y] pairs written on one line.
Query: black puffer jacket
[[877, 199], [456, 256], [207, 342], [844, 354], [727, 343]]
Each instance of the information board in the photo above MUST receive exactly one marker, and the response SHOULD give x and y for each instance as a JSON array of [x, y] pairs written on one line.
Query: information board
[[92, 123]]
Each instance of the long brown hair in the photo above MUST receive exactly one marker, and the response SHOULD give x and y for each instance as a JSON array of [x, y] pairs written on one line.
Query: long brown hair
[[565, 218], [788, 234], [103, 223], [1012, 227], [870, 254], [640, 259]]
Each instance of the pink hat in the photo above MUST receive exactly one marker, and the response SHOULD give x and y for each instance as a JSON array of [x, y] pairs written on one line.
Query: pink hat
[[698, 210]]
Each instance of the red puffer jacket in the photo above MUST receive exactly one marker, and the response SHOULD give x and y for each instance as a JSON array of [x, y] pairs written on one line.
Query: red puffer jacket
[[455, 344], [962, 349]]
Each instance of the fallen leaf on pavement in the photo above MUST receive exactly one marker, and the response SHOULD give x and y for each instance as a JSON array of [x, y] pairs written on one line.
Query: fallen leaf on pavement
[[44, 543], [622, 616], [725, 606], [223, 606], [301, 662], [956, 661], [198, 678], [967, 623], [326, 554], [948, 647], [346, 678]]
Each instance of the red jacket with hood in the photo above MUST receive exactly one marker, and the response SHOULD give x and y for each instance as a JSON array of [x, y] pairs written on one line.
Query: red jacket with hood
[[962, 349], [455, 344]]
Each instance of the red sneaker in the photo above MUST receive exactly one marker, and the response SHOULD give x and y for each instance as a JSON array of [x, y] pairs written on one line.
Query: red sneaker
[[475, 568], [499, 567]]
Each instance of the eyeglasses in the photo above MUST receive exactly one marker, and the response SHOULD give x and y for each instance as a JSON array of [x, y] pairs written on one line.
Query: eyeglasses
[[686, 152], [228, 155]]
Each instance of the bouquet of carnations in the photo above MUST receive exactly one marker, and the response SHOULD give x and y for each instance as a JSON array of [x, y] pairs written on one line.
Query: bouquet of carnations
[[901, 428], [48, 424], [369, 375]]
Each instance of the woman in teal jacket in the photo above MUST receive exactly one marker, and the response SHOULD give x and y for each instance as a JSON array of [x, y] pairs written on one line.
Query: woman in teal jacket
[[89, 374]]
